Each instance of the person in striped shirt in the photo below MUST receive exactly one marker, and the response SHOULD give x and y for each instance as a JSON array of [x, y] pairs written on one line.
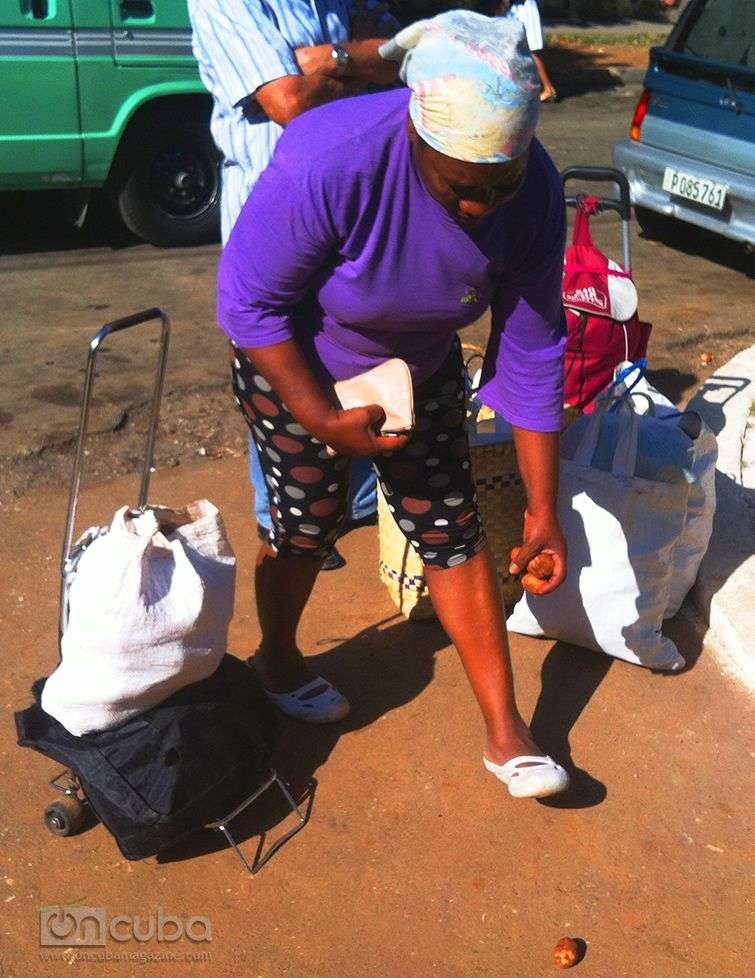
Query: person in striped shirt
[[528, 13], [264, 63]]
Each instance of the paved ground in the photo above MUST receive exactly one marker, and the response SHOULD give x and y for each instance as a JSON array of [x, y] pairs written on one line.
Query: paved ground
[[416, 862], [59, 287]]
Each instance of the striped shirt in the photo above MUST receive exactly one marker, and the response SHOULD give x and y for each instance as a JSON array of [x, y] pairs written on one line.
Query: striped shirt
[[241, 45]]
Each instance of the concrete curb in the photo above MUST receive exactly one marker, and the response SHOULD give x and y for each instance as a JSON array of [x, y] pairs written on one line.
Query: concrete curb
[[725, 589]]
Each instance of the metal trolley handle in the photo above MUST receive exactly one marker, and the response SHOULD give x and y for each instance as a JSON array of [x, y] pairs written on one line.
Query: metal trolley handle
[[622, 206], [137, 319]]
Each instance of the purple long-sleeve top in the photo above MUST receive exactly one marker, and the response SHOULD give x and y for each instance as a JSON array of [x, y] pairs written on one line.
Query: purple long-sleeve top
[[342, 247]]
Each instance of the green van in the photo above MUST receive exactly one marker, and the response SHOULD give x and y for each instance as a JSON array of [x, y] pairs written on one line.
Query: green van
[[106, 94]]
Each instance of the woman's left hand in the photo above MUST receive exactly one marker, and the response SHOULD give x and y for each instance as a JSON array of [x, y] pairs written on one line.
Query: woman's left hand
[[542, 534]]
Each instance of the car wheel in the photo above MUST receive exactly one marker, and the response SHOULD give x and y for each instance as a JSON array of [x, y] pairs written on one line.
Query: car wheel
[[170, 193], [654, 225]]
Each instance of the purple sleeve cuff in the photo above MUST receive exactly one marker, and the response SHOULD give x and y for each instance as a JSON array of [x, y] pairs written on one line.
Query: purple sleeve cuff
[[528, 391], [250, 327], [523, 373]]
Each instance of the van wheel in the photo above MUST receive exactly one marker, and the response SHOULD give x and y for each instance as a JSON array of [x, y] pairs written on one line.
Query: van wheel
[[170, 194], [655, 226]]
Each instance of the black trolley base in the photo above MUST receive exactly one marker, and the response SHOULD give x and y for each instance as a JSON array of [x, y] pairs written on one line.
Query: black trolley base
[[67, 814]]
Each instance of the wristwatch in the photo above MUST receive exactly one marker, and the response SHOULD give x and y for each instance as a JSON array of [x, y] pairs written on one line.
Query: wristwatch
[[341, 57]]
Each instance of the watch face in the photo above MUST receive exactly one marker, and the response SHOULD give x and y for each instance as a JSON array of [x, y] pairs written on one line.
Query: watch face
[[341, 57]]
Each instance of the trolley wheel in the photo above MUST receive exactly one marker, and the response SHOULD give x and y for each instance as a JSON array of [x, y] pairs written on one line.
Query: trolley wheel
[[64, 816]]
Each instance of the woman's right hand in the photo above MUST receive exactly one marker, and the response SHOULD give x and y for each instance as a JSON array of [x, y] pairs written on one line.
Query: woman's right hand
[[356, 432]]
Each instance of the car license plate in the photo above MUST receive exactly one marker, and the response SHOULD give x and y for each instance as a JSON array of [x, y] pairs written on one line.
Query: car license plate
[[698, 189]]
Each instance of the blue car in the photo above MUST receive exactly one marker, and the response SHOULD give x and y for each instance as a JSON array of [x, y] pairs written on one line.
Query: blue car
[[691, 155]]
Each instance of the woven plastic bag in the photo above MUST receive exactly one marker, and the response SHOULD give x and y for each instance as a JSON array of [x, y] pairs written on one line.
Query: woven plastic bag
[[401, 569], [149, 602], [623, 504]]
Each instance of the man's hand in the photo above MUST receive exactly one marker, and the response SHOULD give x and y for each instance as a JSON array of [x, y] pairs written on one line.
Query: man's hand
[[371, 22], [542, 534], [316, 59], [356, 432], [365, 66], [285, 98]]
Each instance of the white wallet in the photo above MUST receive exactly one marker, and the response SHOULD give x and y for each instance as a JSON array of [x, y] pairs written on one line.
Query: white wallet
[[390, 386]]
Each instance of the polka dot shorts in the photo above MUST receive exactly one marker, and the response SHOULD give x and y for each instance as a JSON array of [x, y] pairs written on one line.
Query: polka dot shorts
[[427, 484]]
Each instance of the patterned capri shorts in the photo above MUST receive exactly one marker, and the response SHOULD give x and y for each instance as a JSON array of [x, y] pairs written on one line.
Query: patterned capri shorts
[[427, 484]]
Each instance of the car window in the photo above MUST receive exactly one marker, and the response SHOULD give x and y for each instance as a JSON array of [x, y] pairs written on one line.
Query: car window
[[724, 30]]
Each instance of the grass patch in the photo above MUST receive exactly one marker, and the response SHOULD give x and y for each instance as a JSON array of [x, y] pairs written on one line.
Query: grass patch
[[605, 40]]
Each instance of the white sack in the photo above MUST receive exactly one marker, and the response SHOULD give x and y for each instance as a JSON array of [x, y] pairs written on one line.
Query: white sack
[[698, 527], [149, 603], [701, 474], [622, 531]]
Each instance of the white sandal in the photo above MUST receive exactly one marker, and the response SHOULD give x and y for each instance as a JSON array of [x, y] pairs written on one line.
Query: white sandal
[[317, 701], [540, 778]]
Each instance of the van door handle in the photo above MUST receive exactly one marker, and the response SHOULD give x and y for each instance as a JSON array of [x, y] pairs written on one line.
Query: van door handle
[[137, 9]]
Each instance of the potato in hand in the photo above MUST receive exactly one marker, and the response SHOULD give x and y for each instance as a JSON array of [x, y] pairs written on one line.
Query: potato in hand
[[542, 567], [538, 572], [535, 585]]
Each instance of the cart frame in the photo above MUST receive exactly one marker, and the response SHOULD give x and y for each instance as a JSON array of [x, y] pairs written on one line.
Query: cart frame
[[67, 781]]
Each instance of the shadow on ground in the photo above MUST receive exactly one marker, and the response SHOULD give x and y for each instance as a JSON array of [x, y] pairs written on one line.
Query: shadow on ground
[[382, 668], [570, 677], [671, 382], [45, 221], [577, 72], [379, 669], [700, 243]]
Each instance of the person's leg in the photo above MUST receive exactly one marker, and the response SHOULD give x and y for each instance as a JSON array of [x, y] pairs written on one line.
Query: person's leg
[[469, 604], [257, 479], [362, 498], [549, 91], [430, 491], [282, 589], [309, 491], [363, 491], [360, 505]]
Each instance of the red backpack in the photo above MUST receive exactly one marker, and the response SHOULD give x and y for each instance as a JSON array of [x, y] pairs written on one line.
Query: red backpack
[[600, 299]]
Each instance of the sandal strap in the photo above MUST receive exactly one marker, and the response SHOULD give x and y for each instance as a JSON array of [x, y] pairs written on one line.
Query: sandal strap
[[512, 767], [301, 691]]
